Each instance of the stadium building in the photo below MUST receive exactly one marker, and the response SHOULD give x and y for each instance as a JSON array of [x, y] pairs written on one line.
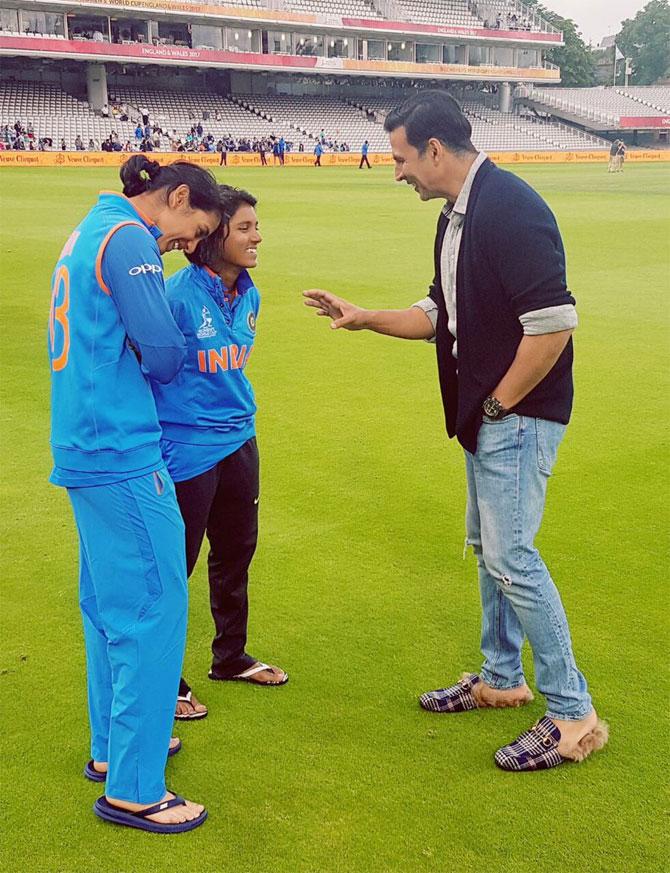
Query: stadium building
[[244, 74]]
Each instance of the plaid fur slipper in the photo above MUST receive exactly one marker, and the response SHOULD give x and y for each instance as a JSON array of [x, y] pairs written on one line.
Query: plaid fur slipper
[[456, 698], [537, 749]]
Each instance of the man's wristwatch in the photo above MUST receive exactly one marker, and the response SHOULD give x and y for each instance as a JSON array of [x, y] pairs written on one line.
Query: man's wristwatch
[[493, 408]]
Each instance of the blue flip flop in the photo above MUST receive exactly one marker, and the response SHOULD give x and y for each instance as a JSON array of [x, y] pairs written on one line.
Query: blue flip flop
[[96, 776], [107, 811]]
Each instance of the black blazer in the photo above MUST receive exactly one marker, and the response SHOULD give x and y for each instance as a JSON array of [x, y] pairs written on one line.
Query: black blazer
[[511, 261]]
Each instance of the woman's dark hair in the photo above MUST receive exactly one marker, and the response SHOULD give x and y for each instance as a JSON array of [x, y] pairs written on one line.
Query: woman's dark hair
[[139, 175], [432, 114], [209, 249]]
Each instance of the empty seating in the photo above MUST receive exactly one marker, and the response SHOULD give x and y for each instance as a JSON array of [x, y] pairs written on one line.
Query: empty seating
[[455, 12], [299, 119], [606, 105], [353, 8], [653, 96]]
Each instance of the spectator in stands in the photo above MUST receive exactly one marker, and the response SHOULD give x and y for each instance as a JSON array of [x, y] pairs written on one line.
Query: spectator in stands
[[209, 442], [282, 149], [364, 156], [144, 112], [78, 143], [199, 129], [502, 324], [133, 589], [63, 145], [127, 147], [146, 145], [105, 110], [138, 132], [318, 151]]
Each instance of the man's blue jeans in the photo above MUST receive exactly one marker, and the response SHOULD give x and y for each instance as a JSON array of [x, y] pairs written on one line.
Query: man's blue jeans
[[507, 484]]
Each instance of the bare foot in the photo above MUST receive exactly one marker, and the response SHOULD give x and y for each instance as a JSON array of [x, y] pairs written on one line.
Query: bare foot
[[174, 815], [187, 707], [486, 696], [103, 766]]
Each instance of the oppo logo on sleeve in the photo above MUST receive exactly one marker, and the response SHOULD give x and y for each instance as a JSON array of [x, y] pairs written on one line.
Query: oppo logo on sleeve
[[145, 268]]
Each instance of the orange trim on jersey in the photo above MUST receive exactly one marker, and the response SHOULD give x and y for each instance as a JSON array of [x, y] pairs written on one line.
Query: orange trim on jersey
[[211, 272], [101, 252], [123, 197]]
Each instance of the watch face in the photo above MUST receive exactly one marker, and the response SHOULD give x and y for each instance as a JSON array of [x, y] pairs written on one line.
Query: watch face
[[492, 407]]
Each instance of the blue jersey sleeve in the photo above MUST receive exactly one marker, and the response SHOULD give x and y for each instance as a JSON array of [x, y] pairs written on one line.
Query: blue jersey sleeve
[[132, 270]]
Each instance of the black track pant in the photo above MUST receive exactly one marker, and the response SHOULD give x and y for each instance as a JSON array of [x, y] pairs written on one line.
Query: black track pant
[[223, 503], [364, 160]]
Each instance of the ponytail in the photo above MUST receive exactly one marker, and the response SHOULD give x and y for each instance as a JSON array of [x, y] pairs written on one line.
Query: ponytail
[[141, 175]]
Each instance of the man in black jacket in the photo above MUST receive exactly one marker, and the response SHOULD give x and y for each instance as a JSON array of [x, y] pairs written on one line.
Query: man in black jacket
[[501, 316]]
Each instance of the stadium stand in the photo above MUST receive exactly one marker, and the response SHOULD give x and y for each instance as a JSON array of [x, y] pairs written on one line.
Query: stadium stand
[[496, 131], [353, 8], [454, 12], [603, 104], [654, 97], [340, 121], [300, 120]]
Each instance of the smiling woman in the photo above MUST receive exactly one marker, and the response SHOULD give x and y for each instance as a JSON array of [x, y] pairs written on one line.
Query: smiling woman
[[207, 414], [179, 197], [110, 333]]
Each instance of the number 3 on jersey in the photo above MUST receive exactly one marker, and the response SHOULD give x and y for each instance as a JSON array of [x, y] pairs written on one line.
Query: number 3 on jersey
[[60, 304]]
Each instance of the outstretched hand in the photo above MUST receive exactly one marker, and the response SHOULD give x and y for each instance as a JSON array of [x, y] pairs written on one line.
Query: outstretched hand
[[340, 311]]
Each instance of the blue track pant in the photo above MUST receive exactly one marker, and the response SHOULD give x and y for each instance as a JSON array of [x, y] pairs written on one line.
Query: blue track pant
[[133, 597]]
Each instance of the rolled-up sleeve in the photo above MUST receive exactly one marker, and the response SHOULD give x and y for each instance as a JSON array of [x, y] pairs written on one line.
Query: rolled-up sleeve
[[551, 319], [429, 307]]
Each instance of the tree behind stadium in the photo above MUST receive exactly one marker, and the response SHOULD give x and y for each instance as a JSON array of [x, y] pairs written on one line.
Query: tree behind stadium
[[645, 39]]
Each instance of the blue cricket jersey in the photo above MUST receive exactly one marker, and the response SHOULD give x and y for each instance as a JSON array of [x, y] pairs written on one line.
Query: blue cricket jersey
[[108, 312], [207, 412]]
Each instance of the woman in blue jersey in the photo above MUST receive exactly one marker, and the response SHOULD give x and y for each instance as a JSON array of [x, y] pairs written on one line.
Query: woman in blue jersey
[[110, 333], [209, 445]]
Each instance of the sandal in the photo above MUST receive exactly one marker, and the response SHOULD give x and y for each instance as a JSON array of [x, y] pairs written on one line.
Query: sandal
[[248, 675], [193, 715], [107, 811]]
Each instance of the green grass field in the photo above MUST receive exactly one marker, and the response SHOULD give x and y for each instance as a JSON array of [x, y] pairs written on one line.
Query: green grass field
[[359, 588]]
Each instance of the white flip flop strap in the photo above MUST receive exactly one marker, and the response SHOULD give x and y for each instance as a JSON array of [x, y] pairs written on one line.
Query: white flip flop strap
[[185, 698], [252, 671]]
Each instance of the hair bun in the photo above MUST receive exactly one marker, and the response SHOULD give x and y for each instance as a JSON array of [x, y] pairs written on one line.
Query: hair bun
[[137, 175]]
